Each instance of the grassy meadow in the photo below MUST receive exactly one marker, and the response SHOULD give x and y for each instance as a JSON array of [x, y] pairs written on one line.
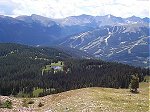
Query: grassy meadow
[[95, 99]]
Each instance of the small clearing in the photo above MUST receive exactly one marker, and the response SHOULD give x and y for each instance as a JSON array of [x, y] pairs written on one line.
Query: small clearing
[[56, 66]]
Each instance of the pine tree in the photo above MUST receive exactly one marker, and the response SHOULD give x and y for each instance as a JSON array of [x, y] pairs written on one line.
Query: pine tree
[[134, 83]]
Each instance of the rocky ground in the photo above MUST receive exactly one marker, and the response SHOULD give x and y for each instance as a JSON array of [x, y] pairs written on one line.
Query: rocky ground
[[86, 100]]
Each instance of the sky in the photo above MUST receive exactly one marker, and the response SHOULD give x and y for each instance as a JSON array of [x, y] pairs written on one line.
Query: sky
[[65, 8]]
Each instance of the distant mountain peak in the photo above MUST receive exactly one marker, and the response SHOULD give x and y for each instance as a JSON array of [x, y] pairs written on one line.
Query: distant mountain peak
[[109, 16], [134, 17], [2, 16], [84, 15], [38, 19], [35, 15]]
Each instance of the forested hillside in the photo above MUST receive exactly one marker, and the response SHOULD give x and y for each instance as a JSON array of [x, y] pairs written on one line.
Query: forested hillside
[[21, 71]]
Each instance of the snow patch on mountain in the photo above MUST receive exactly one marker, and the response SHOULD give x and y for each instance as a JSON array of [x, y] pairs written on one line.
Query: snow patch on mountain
[[114, 43], [137, 43]]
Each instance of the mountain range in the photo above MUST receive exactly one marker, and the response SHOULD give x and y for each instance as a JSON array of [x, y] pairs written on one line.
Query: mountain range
[[110, 38]]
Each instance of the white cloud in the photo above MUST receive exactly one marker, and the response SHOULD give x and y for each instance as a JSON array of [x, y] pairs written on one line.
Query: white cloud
[[64, 8], [2, 12]]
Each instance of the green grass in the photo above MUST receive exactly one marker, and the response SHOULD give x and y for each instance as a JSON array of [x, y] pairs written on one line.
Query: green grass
[[147, 78], [36, 92], [58, 64], [21, 94], [49, 67], [46, 68], [125, 100], [101, 100]]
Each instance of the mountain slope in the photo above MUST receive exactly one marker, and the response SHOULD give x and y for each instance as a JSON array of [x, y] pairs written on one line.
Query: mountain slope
[[87, 99], [47, 22], [107, 37], [39, 30], [35, 30], [127, 44], [10, 49], [13, 30], [75, 52], [98, 21]]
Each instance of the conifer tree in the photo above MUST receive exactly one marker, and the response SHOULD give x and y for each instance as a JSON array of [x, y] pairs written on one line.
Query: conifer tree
[[134, 83]]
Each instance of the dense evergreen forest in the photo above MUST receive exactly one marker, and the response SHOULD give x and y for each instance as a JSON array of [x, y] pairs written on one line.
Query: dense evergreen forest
[[21, 71]]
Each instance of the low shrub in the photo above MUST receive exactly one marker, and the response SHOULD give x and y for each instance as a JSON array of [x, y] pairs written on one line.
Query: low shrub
[[40, 104], [6, 104]]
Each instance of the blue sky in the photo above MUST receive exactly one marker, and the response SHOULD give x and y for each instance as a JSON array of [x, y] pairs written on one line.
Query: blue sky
[[65, 8]]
